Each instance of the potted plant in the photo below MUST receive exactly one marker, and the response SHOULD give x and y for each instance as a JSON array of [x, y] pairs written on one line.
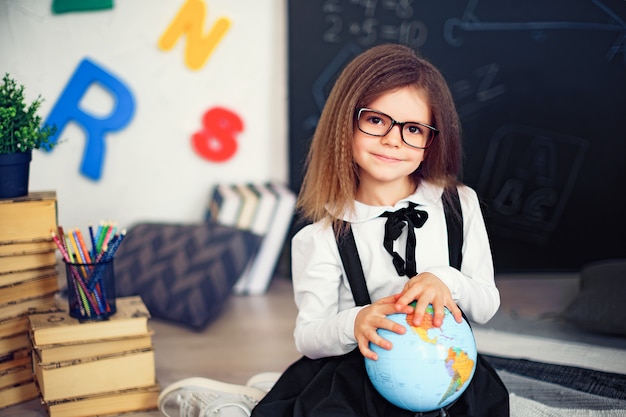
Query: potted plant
[[21, 131]]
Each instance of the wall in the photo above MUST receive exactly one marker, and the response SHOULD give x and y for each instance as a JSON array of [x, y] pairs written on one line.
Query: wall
[[150, 170]]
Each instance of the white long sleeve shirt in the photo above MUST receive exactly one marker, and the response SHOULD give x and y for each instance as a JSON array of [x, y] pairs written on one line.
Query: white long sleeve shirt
[[326, 308]]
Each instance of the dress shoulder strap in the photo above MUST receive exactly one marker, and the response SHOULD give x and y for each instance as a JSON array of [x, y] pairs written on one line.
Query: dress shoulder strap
[[454, 223], [352, 265]]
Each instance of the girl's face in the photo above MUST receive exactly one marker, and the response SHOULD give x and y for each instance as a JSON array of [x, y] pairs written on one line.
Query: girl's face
[[385, 162]]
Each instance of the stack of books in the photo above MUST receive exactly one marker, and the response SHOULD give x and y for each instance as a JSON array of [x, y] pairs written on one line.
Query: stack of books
[[266, 210], [28, 284], [96, 367]]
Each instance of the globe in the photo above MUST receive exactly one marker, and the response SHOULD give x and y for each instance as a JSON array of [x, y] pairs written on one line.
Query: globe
[[428, 367]]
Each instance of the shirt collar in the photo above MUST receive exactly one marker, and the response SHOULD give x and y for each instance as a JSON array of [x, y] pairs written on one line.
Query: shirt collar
[[425, 195]]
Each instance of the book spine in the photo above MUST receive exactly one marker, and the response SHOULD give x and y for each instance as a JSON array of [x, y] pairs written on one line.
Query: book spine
[[225, 205], [28, 219], [270, 249]]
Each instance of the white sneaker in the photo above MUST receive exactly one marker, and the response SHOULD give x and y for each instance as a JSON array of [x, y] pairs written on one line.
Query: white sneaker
[[203, 397], [264, 380]]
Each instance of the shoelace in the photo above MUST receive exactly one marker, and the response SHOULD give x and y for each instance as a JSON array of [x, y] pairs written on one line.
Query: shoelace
[[191, 403]]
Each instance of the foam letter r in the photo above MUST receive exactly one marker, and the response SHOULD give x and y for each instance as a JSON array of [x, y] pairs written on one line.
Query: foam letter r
[[67, 108]]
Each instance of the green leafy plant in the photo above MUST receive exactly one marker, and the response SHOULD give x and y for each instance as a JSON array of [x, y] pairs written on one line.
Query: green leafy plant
[[21, 128]]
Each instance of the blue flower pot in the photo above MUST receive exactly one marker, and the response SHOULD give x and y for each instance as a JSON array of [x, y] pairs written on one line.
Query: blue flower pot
[[14, 171]]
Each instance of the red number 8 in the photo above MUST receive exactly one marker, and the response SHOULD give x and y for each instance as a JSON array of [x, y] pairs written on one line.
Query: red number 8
[[216, 141]]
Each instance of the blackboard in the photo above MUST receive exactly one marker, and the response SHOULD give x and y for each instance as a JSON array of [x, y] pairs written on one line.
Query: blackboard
[[540, 86]]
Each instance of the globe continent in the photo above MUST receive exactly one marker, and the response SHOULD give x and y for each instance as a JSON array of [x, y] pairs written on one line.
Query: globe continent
[[428, 367]]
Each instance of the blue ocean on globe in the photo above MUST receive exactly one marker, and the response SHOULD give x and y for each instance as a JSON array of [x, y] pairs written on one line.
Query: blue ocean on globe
[[428, 367]]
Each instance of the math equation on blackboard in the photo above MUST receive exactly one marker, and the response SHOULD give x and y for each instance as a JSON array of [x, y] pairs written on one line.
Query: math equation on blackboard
[[369, 22]]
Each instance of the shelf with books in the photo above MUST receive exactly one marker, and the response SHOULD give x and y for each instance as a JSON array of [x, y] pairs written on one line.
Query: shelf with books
[[268, 215]]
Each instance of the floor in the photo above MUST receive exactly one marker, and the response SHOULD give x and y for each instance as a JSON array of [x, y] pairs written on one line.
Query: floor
[[254, 334]]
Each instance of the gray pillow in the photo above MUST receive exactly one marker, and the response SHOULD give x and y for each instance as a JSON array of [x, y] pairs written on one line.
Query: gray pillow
[[600, 304], [183, 272]]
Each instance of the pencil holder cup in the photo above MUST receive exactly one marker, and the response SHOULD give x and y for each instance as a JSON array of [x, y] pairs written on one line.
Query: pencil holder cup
[[91, 290]]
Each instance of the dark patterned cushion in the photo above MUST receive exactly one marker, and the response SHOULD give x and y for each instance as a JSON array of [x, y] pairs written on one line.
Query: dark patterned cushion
[[184, 273], [599, 305]]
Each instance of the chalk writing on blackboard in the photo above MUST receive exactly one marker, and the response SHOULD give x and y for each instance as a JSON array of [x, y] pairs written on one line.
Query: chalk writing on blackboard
[[379, 21], [324, 80], [527, 179], [470, 22], [474, 93]]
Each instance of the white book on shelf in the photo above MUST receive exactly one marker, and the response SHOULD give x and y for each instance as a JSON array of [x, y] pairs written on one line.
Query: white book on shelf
[[260, 274], [261, 224], [224, 205], [249, 202], [265, 209]]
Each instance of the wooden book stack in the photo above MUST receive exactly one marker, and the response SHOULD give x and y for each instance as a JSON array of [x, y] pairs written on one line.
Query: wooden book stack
[[97, 367], [28, 283]]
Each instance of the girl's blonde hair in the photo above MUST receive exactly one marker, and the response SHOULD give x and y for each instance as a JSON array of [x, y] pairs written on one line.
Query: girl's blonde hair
[[331, 179]]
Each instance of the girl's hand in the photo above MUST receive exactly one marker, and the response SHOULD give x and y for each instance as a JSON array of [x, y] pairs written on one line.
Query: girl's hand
[[374, 317], [426, 288]]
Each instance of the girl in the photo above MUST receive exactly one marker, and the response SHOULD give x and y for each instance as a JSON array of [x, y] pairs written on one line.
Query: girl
[[388, 138], [383, 163]]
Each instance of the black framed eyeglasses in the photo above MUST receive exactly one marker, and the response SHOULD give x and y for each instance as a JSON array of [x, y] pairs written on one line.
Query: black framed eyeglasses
[[415, 134]]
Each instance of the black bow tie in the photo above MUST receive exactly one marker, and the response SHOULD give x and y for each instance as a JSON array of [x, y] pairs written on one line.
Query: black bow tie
[[396, 221]]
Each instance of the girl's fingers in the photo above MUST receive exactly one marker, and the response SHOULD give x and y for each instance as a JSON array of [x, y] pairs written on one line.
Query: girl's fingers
[[374, 337], [420, 310], [367, 352], [456, 312], [438, 313], [378, 341], [388, 300], [403, 300]]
